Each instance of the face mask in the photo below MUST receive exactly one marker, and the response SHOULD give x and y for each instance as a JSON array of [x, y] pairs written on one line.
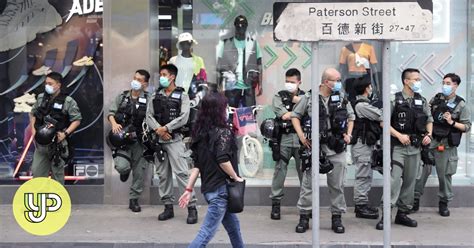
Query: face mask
[[49, 89], [291, 87], [337, 86], [135, 85], [164, 82], [447, 90], [416, 87]]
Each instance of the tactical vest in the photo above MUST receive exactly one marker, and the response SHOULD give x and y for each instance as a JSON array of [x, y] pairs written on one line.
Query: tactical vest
[[408, 118], [441, 129], [167, 108], [337, 107], [368, 131], [130, 112], [230, 59], [286, 98], [54, 108]]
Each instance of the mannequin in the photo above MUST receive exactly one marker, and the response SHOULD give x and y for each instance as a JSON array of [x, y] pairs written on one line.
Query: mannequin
[[358, 59], [239, 66], [191, 70]]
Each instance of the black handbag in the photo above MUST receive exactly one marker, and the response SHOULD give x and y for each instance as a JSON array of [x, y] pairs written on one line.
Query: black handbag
[[236, 192]]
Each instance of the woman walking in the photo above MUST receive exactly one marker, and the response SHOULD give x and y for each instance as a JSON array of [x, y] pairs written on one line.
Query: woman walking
[[215, 158]]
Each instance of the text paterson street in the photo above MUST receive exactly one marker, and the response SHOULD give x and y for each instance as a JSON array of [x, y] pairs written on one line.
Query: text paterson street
[[366, 11]]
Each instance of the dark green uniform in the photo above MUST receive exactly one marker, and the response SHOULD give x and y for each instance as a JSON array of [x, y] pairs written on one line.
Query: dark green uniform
[[66, 111], [446, 161], [289, 145], [130, 111]]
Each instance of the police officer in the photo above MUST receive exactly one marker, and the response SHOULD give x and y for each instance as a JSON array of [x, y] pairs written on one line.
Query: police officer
[[367, 131], [411, 127], [167, 113], [288, 144], [58, 114], [336, 124], [126, 115], [451, 118]]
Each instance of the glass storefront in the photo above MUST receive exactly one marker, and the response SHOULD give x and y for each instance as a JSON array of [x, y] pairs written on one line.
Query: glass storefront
[[213, 25], [55, 36]]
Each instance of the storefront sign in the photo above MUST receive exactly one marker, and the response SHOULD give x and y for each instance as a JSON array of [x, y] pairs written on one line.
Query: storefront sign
[[87, 7], [352, 21]]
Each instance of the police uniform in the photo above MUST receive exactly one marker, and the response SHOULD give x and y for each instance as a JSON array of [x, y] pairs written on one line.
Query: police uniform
[[171, 112], [366, 132], [128, 111], [410, 114], [444, 135], [63, 109], [289, 143], [335, 178]]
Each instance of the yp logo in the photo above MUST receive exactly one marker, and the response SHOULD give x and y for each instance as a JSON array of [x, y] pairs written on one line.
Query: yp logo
[[41, 206]]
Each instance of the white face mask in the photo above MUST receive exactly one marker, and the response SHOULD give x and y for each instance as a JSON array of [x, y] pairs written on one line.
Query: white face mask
[[291, 87], [135, 85]]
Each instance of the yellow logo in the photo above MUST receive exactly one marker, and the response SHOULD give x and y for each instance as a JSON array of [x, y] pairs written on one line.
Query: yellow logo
[[41, 206]]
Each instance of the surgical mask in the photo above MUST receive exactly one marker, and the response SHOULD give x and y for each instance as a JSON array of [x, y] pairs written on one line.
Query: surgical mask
[[337, 86], [447, 90], [416, 87], [164, 82], [49, 89], [291, 87], [135, 85]]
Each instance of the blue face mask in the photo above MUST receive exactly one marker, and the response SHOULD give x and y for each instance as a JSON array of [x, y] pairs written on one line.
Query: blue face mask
[[416, 87], [164, 82], [135, 85], [49, 89], [447, 90], [337, 86]]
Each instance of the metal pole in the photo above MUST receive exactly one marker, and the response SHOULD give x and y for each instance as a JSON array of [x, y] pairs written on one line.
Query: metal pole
[[386, 144], [315, 142]]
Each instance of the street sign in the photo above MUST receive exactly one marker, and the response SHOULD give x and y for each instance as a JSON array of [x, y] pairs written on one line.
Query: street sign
[[406, 21]]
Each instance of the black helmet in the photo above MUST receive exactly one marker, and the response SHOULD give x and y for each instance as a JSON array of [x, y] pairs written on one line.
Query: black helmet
[[122, 138], [45, 134], [269, 128]]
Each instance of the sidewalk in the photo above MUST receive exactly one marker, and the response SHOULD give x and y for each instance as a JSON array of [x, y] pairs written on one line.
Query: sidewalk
[[115, 226]]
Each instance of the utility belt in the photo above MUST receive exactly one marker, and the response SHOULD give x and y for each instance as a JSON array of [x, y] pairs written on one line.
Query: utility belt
[[454, 138], [287, 130], [415, 140]]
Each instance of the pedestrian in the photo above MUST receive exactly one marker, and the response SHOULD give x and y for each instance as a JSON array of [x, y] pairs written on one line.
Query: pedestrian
[[215, 159]]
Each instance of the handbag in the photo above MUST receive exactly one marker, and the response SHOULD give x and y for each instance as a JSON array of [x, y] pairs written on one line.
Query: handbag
[[236, 192]]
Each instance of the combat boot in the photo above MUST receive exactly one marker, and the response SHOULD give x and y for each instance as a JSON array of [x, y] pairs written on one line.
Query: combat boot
[[366, 212], [443, 209], [303, 225], [402, 219], [124, 177], [416, 205], [336, 225], [275, 215], [168, 213], [192, 215], [134, 206]]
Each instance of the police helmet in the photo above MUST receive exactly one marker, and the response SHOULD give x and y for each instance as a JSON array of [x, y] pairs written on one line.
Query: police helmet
[[122, 138], [269, 128], [45, 135], [325, 166]]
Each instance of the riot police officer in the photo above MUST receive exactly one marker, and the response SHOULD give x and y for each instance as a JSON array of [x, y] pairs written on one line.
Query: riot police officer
[[367, 131], [126, 115], [167, 113], [54, 117], [451, 118], [287, 144], [411, 127], [336, 124]]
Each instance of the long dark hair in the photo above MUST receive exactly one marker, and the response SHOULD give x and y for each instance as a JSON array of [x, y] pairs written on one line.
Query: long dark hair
[[212, 113]]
